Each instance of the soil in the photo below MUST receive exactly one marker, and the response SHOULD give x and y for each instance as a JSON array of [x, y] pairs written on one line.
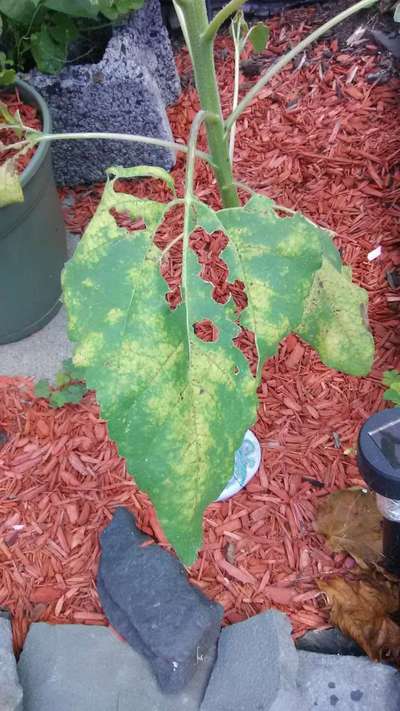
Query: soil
[[29, 116]]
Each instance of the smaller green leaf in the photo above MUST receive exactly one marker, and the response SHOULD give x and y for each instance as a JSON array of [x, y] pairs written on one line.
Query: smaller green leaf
[[42, 389], [391, 377], [49, 54], [396, 15], [64, 30], [10, 185], [72, 394], [258, 36], [392, 395], [72, 371]]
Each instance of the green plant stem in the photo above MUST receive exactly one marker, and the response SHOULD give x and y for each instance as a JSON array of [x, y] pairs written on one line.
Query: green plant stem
[[289, 56], [237, 47], [220, 18], [194, 25], [49, 138]]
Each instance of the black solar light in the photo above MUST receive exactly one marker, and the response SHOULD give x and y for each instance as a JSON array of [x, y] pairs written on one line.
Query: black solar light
[[379, 464]]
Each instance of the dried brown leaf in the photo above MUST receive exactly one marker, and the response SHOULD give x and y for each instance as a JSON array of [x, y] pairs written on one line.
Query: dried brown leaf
[[351, 522], [362, 609]]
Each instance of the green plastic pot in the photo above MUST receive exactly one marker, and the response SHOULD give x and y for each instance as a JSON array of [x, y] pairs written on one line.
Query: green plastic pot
[[33, 245]]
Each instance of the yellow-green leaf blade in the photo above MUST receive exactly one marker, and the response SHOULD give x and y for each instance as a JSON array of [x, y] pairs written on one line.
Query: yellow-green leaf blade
[[334, 321]]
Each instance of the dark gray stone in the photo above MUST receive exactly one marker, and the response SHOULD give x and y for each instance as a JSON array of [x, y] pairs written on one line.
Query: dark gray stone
[[348, 683], [256, 668], [146, 596], [10, 689], [330, 641], [86, 668], [126, 92], [148, 33]]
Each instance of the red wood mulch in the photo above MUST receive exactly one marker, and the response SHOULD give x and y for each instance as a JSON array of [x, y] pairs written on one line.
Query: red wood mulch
[[29, 117], [321, 139]]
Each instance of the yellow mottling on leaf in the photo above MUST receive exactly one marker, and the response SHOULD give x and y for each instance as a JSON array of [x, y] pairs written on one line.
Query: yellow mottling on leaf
[[86, 351], [114, 315]]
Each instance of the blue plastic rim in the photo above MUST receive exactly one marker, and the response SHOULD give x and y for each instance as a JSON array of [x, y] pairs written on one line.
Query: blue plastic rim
[[247, 461]]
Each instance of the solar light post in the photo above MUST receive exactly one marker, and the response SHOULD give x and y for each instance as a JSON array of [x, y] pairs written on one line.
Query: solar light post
[[379, 464]]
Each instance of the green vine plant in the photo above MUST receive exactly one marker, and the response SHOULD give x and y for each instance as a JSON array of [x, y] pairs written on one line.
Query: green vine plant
[[40, 32], [177, 406]]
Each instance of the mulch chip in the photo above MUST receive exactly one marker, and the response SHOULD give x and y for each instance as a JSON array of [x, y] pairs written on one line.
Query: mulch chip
[[322, 139]]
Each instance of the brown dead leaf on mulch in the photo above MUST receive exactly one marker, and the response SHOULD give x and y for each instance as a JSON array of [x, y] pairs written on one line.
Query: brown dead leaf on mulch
[[361, 609], [350, 521]]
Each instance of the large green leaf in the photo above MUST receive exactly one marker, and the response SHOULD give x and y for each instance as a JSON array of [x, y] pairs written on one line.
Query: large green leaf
[[18, 10], [276, 258], [176, 406]]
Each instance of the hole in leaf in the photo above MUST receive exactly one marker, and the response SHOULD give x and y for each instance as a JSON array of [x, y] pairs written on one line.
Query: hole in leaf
[[206, 331], [126, 221]]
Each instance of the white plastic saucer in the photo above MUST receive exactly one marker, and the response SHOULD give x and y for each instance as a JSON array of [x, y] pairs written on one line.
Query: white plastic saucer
[[247, 461]]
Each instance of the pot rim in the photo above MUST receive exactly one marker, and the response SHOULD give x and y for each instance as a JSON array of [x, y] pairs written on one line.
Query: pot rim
[[28, 92]]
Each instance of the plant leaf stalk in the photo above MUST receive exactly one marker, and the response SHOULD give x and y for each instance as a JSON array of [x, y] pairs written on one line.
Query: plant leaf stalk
[[34, 137]]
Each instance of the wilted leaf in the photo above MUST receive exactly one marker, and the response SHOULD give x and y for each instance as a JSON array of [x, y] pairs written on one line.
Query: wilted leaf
[[351, 522], [10, 185], [334, 321], [362, 609]]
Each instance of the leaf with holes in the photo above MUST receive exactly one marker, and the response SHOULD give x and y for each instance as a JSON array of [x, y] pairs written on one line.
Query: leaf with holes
[[295, 282], [176, 406], [276, 258]]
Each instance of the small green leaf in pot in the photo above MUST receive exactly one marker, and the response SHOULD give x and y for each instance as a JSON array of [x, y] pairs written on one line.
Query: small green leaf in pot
[[258, 36]]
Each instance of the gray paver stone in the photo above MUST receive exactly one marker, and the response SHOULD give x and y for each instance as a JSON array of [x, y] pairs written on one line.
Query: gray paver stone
[[10, 689], [344, 683], [86, 668], [256, 668]]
